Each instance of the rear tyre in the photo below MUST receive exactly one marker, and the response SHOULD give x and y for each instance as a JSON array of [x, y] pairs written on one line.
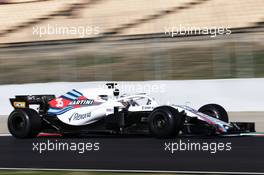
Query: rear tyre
[[24, 123], [216, 111], [165, 122]]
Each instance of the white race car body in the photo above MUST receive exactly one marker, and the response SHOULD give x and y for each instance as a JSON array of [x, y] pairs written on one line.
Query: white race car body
[[83, 107], [104, 110], [193, 113]]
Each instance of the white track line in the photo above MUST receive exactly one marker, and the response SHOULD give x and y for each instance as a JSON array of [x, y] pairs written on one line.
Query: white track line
[[4, 135], [131, 171]]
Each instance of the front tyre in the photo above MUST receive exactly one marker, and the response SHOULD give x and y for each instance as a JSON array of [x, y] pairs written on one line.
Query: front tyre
[[24, 123], [165, 122], [216, 111]]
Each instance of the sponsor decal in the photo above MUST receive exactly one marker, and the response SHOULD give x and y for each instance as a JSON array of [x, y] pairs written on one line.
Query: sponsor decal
[[147, 107], [82, 102], [77, 116], [109, 109], [19, 104]]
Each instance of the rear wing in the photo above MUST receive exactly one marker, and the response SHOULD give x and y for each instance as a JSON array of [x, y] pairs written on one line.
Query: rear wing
[[23, 101]]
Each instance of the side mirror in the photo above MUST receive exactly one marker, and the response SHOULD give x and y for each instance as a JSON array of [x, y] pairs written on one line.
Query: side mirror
[[111, 85]]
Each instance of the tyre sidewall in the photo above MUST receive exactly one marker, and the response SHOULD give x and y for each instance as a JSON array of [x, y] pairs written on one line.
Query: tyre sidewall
[[169, 126], [174, 118], [31, 122], [219, 111]]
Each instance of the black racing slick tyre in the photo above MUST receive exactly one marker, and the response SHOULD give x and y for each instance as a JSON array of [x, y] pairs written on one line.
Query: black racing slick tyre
[[165, 122], [215, 111], [24, 123]]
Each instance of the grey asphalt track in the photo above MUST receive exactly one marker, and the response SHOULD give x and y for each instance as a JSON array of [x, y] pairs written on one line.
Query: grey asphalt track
[[141, 153], [137, 153]]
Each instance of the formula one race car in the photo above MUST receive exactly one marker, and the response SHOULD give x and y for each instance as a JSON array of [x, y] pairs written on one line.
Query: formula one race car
[[102, 110]]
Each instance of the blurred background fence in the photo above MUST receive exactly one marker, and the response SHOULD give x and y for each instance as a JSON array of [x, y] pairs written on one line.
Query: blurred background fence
[[131, 44]]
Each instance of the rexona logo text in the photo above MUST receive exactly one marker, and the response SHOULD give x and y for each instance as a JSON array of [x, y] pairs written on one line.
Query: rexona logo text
[[81, 102], [76, 116]]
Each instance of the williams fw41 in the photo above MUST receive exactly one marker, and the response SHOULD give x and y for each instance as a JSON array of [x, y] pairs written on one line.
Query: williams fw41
[[103, 110]]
